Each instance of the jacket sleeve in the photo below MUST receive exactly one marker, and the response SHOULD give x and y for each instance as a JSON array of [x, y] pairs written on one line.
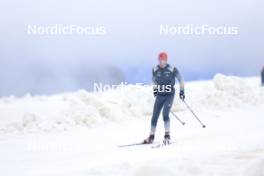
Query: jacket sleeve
[[154, 81], [179, 78]]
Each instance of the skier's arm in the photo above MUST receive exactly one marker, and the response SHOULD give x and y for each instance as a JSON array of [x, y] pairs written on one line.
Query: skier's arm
[[181, 82], [154, 82], [179, 78]]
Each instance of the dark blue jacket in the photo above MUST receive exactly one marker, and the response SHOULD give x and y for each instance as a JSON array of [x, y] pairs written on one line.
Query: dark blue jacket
[[164, 79]]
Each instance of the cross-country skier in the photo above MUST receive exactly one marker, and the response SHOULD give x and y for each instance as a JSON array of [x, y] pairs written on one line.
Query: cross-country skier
[[163, 77], [262, 76]]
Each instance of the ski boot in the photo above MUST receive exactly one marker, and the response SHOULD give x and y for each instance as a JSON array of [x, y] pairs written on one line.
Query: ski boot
[[149, 140], [167, 138]]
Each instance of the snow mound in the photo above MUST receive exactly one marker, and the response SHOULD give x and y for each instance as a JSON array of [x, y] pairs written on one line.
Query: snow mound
[[232, 91], [68, 110], [86, 109], [232, 84]]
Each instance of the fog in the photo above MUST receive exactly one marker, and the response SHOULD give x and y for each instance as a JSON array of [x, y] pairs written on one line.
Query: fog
[[50, 64]]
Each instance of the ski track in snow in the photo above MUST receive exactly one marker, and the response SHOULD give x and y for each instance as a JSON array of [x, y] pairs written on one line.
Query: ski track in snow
[[78, 133]]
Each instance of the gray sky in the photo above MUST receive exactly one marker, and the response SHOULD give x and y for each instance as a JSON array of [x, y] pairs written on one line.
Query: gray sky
[[51, 64]]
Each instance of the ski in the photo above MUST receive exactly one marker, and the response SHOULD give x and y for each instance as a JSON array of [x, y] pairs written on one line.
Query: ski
[[153, 145], [134, 144]]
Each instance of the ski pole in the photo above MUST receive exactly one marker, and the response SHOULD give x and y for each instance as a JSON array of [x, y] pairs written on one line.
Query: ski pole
[[183, 123], [194, 114]]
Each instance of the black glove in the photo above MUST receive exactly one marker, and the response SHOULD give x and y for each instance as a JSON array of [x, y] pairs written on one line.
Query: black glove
[[155, 92], [182, 95]]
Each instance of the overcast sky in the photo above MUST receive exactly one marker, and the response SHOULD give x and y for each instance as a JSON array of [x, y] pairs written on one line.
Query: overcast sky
[[51, 64]]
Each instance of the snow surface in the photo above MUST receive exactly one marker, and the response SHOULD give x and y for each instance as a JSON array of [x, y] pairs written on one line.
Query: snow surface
[[78, 133]]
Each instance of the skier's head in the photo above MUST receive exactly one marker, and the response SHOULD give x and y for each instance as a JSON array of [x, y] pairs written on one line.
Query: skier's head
[[163, 58]]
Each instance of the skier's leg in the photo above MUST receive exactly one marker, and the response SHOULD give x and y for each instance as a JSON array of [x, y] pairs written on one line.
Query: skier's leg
[[156, 112], [166, 111]]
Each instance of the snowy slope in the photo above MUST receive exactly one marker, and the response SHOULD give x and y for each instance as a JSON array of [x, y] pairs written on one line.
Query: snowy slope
[[78, 133]]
